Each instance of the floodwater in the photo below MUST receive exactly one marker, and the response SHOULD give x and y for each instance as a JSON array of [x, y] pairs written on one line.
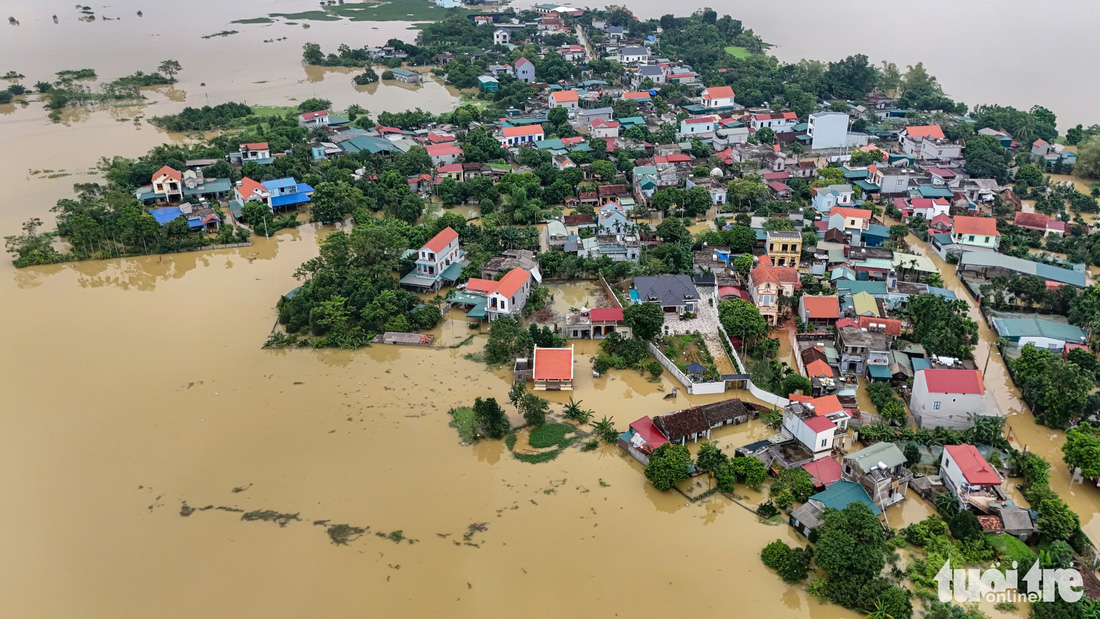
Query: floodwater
[[975, 66], [1022, 430]]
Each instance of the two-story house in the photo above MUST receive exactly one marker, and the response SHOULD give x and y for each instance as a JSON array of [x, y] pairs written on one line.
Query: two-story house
[[846, 218], [880, 469], [525, 70], [313, 120], [701, 128], [817, 431], [779, 122], [975, 233], [600, 128], [948, 398], [767, 283], [444, 153], [652, 72], [859, 348], [927, 142], [506, 297], [633, 54], [820, 312], [784, 248], [970, 479], [674, 293], [825, 198], [168, 182], [568, 99], [513, 137], [717, 97], [611, 220], [256, 152], [438, 261]]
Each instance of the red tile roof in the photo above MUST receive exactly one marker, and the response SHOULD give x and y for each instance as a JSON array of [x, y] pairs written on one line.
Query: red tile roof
[[941, 172], [825, 405], [249, 187], [673, 158], [1032, 221], [255, 146], [1039, 142], [853, 213], [718, 92], [312, 115], [522, 61], [954, 381], [169, 172], [818, 368], [822, 307], [925, 131], [553, 363], [481, 285], [442, 150], [889, 326], [611, 124], [846, 322], [776, 275], [698, 121], [450, 167], [565, 96], [608, 314], [964, 224], [513, 132], [820, 424], [778, 116], [511, 282], [826, 470], [435, 138], [778, 187], [636, 95], [973, 466], [440, 241], [777, 176], [941, 220], [649, 432]]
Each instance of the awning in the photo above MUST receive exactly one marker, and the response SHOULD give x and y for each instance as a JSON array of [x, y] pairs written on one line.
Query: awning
[[479, 311], [452, 272], [879, 372]]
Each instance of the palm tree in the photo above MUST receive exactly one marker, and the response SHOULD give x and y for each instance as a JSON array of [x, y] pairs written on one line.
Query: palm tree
[[573, 410], [879, 612]]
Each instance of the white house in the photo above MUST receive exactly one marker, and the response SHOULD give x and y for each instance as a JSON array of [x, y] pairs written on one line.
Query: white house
[[525, 70], [817, 433], [825, 198], [717, 97], [827, 130], [443, 154], [925, 142], [313, 119], [501, 37], [169, 182], [717, 191], [697, 127], [780, 122], [633, 54], [600, 128], [517, 136], [568, 99], [969, 477], [510, 294], [948, 398], [651, 71]]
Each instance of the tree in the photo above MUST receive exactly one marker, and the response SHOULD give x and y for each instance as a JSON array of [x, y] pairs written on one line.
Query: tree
[[491, 418], [795, 382], [765, 135], [312, 54], [332, 201], [574, 411], [1088, 159], [893, 411], [792, 564], [912, 454], [645, 320], [743, 264], [710, 458], [866, 157], [1056, 520], [851, 550], [506, 341], [986, 158], [672, 230], [964, 526], [1028, 175], [314, 105], [851, 78], [169, 68], [603, 170], [1082, 449], [668, 465], [742, 319], [533, 409], [943, 327], [797, 481], [605, 429]]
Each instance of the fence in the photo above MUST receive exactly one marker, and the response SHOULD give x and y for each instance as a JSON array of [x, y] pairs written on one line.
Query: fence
[[760, 394], [693, 388], [610, 293]]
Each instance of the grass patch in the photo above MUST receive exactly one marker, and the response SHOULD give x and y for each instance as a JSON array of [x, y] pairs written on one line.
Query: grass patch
[[468, 339], [308, 15], [253, 20], [510, 441], [545, 456], [551, 435], [463, 420], [270, 110], [738, 52], [405, 10]]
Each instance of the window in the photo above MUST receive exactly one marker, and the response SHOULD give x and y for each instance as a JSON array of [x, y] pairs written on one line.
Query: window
[[824, 442], [971, 237], [936, 406]]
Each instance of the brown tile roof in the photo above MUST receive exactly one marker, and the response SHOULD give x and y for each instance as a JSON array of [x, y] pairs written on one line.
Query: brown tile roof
[[680, 424]]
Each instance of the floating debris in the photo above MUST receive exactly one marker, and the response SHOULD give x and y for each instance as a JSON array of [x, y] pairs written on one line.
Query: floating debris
[[341, 534], [270, 515]]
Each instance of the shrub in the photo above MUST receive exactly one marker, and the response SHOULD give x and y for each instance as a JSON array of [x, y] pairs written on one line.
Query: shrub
[[766, 510], [774, 554]]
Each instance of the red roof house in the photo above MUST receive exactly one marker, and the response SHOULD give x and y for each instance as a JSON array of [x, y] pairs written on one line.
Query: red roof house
[[440, 241], [606, 314], [553, 368], [965, 224], [825, 470], [968, 463], [925, 131]]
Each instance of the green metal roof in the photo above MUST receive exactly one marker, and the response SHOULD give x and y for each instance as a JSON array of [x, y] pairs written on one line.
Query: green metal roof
[[842, 494], [885, 453], [871, 288], [1038, 327], [452, 272], [881, 372], [479, 311], [928, 191]]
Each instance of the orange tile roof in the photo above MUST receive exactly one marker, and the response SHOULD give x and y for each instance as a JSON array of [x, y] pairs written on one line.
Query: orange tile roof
[[565, 96], [819, 368], [553, 363], [481, 285], [846, 212], [440, 241], [890, 326], [511, 282], [636, 95], [825, 405], [256, 146], [964, 224], [249, 187], [718, 92], [822, 307], [776, 275], [925, 131], [169, 172], [514, 132]]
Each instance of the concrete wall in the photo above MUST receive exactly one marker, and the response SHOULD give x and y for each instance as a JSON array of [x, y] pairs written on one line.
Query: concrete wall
[[760, 394], [693, 388]]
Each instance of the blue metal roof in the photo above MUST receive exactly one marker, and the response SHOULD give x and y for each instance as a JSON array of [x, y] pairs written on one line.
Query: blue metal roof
[[166, 214], [289, 199], [280, 183]]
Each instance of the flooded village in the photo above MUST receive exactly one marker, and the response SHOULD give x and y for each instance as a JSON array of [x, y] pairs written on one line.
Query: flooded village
[[622, 308]]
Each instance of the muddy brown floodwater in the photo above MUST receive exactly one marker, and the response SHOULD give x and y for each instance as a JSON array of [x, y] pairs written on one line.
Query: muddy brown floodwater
[[130, 386]]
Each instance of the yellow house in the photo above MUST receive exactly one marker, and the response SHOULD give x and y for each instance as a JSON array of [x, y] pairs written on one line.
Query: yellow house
[[785, 248]]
